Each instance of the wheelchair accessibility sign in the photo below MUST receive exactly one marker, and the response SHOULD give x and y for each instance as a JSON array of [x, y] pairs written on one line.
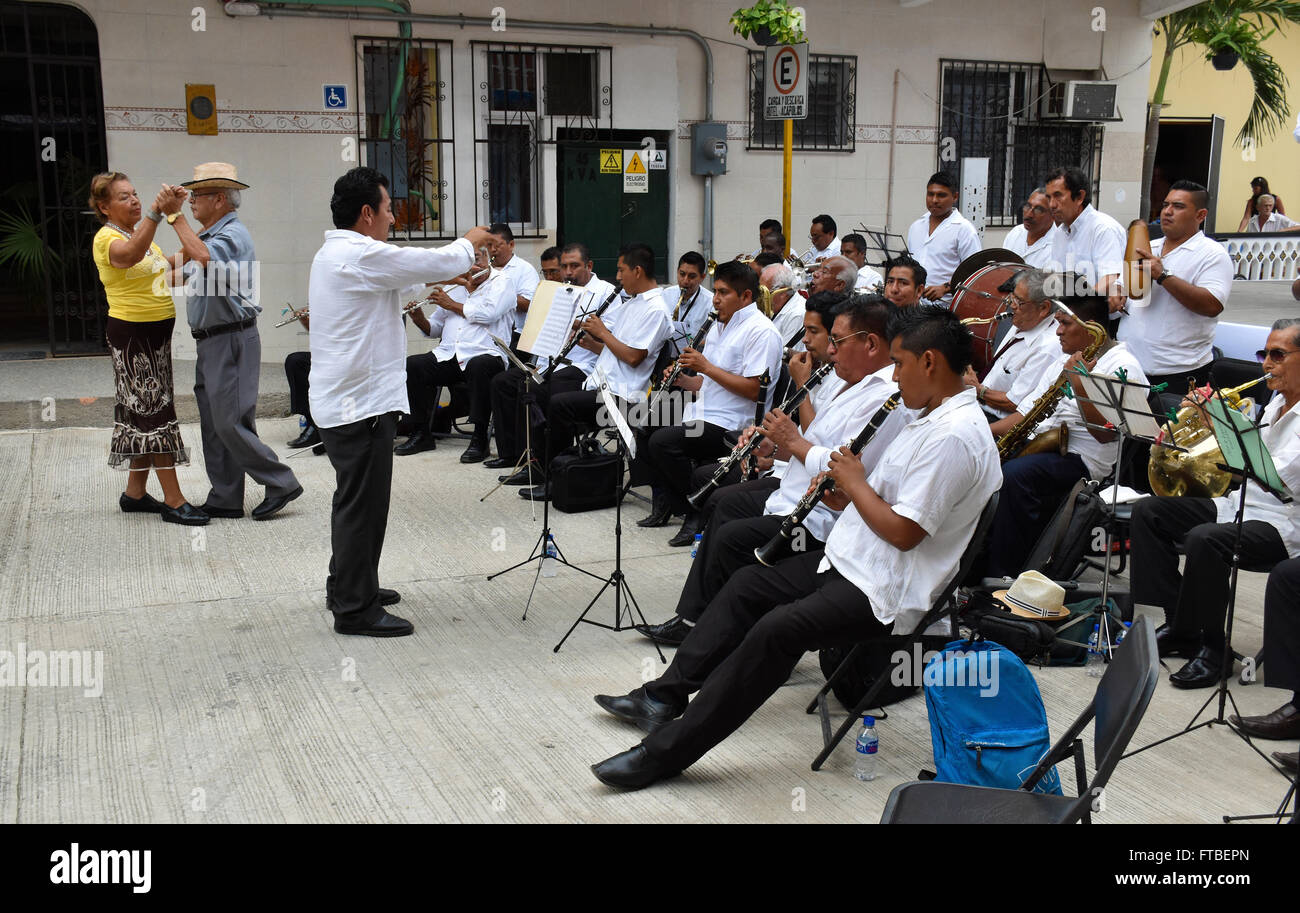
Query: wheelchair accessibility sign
[[336, 98]]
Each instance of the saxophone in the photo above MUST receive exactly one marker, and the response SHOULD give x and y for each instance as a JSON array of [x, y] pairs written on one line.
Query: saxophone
[[1016, 442]]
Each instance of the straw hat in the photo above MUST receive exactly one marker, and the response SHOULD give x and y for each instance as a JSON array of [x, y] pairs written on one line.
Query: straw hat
[[215, 176], [1034, 596]]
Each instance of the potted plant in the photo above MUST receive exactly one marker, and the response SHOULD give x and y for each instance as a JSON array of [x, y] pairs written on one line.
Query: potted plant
[[769, 22]]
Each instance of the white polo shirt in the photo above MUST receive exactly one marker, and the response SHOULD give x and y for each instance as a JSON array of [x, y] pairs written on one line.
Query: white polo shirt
[[581, 358], [1038, 254], [1276, 222], [939, 471], [816, 255], [1092, 246], [745, 345], [1166, 337], [358, 343], [525, 280], [835, 426], [943, 249], [686, 317], [1023, 361], [1281, 435], [487, 314], [640, 323]]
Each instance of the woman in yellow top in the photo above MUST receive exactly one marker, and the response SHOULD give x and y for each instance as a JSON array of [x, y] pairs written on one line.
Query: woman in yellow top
[[139, 332]]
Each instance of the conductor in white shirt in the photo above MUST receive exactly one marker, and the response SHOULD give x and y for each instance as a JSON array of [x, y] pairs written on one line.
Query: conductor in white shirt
[[358, 382], [943, 237]]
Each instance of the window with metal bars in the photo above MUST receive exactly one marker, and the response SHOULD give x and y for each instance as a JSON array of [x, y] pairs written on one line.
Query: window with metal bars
[[832, 99], [992, 110], [405, 130]]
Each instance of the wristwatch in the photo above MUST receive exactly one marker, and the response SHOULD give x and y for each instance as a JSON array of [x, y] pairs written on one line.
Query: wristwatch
[[980, 390], [154, 215], [173, 217], [1163, 276]]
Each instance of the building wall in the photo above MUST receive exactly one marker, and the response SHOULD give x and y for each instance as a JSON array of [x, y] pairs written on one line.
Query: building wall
[[269, 71]]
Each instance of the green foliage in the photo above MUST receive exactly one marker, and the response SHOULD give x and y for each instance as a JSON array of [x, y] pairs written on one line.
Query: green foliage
[[785, 24], [22, 247]]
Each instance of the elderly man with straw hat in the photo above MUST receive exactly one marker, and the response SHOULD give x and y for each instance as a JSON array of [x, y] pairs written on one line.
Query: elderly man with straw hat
[[220, 270]]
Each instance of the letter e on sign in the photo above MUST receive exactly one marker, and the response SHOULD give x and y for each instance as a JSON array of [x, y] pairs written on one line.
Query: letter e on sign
[[785, 95]]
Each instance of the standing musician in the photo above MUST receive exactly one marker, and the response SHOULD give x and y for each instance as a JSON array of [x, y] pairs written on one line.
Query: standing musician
[[1033, 485], [1088, 242], [787, 304], [747, 519], [625, 355], [824, 242], [1033, 238], [904, 281], [1172, 331], [943, 237], [897, 543], [1195, 602], [854, 246], [688, 303], [1027, 358], [465, 320], [508, 386], [741, 345], [519, 271], [358, 382]]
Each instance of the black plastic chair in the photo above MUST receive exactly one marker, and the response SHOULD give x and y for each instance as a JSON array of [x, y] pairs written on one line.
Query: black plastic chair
[[946, 603], [1118, 706]]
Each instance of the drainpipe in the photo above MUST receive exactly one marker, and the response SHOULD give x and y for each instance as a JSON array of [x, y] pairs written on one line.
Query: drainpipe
[[400, 12]]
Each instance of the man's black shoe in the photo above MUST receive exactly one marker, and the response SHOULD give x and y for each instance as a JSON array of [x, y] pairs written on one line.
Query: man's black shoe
[[661, 511], [537, 493], [476, 452], [1201, 671], [145, 504], [318, 450], [389, 597], [416, 443], [384, 626], [685, 535], [224, 513], [186, 515], [272, 506], [1290, 760], [499, 463], [1169, 644], [523, 477], [1282, 723], [639, 709], [310, 437], [633, 769], [671, 633]]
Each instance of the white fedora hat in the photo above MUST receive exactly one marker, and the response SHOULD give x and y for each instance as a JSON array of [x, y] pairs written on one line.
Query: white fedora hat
[[215, 175], [1034, 596]]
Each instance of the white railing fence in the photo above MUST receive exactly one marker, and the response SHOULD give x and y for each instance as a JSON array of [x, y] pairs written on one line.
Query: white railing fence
[[1266, 257]]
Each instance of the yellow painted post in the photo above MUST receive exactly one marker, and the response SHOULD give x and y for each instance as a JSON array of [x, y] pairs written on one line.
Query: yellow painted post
[[788, 143]]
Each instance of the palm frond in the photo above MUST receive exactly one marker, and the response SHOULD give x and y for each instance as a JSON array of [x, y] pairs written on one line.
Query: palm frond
[[1268, 109], [22, 246]]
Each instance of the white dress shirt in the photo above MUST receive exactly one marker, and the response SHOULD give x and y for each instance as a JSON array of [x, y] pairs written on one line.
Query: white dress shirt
[[816, 255], [1038, 254], [1166, 337], [834, 427], [487, 314], [358, 343], [1092, 246], [868, 279], [745, 345], [525, 279], [826, 391], [1281, 435], [1276, 222], [640, 323], [1023, 362], [789, 320], [939, 471], [585, 359], [942, 250], [686, 317]]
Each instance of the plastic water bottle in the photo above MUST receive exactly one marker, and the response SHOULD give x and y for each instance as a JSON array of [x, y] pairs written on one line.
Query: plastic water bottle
[[695, 547], [549, 563], [302, 424], [1119, 637], [1095, 664], [864, 768]]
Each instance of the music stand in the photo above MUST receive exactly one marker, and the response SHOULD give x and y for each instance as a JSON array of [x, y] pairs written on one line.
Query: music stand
[[890, 245]]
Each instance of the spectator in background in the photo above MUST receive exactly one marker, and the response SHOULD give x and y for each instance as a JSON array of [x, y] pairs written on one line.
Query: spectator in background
[[1268, 220], [1259, 187]]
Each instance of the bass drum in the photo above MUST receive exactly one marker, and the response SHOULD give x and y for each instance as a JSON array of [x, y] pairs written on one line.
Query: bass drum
[[982, 289]]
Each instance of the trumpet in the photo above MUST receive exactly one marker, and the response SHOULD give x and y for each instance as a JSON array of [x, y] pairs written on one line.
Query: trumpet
[[293, 315], [419, 303]]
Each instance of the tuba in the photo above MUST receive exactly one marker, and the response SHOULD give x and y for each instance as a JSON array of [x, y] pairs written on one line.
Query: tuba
[[1194, 471]]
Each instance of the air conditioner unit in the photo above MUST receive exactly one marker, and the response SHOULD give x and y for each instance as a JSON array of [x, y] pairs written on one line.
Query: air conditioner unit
[[1081, 100]]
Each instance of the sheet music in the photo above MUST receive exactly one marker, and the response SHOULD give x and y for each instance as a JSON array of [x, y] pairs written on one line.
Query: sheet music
[[615, 413], [1131, 401], [550, 317]]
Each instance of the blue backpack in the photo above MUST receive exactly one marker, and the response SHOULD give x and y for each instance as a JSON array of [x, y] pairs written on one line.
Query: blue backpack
[[987, 722]]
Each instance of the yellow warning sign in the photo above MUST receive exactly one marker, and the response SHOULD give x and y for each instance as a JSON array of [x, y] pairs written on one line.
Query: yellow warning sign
[[611, 161], [634, 164]]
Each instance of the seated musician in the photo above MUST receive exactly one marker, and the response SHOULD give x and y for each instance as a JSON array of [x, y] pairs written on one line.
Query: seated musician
[[834, 274], [465, 320], [1028, 354], [822, 234], [741, 345], [901, 535], [688, 303], [854, 246], [746, 519], [1281, 661], [943, 237], [904, 281], [550, 263], [1034, 484], [787, 304], [765, 228], [508, 388], [625, 356], [1195, 602]]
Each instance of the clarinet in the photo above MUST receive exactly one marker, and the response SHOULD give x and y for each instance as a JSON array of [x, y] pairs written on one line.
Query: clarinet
[[796, 399], [695, 344], [760, 402], [788, 352], [563, 358], [775, 549]]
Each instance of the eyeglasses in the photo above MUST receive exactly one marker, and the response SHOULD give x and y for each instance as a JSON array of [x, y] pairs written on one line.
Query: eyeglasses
[[194, 195], [838, 341], [1264, 355], [1037, 210]]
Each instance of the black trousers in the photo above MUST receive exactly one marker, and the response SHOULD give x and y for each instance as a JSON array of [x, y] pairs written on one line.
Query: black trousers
[[747, 644], [571, 414], [1033, 487], [508, 389], [672, 453], [735, 527], [1282, 626], [424, 374], [1195, 602], [362, 456], [297, 368]]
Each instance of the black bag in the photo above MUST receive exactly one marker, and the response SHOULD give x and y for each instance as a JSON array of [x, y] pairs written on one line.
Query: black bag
[[1028, 638], [585, 477], [873, 660], [1069, 535]]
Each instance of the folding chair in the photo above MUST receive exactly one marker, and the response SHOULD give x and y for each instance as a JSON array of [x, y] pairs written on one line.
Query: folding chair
[[945, 603], [1118, 706]]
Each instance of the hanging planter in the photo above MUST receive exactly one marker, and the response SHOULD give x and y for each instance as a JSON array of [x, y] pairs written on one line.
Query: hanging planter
[[769, 22], [1225, 59], [764, 38]]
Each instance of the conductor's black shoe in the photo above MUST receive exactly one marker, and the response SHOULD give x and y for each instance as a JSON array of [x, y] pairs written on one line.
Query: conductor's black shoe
[[273, 505], [389, 597], [537, 493], [671, 633], [661, 512], [639, 709], [1201, 671], [223, 513], [1290, 760], [310, 437], [318, 450], [1169, 644], [384, 626], [524, 477], [499, 463], [1282, 723], [186, 515], [476, 452], [145, 504], [633, 769], [416, 443]]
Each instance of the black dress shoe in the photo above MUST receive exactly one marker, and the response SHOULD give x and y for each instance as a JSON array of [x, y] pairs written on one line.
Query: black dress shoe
[[639, 709], [476, 452], [186, 515], [416, 443], [633, 769], [1169, 644], [1290, 760], [318, 450], [1201, 671], [224, 513], [272, 506], [661, 512], [671, 633], [523, 477], [685, 535], [384, 626], [145, 504], [389, 597], [1282, 723], [500, 463], [536, 493], [310, 437]]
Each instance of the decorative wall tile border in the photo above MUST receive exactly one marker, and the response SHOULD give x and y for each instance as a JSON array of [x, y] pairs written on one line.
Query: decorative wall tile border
[[235, 120], [912, 134]]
